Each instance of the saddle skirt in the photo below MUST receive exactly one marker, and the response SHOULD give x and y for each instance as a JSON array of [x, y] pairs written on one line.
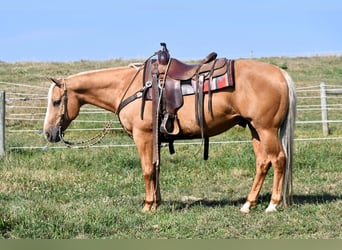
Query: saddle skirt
[[217, 83]]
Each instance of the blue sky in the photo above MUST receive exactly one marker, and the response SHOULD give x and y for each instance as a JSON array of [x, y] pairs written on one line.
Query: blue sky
[[66, 30]]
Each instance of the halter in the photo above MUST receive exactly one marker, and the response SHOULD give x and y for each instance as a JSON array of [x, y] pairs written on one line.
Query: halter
[[64, 104], [64, 117]]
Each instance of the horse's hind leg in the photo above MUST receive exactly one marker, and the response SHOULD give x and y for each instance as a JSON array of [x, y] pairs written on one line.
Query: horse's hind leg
[[262, 166], [268, 151], [278, 160]]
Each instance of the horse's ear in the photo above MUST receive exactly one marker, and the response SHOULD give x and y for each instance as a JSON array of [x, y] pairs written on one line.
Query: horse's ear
[[56, 81]]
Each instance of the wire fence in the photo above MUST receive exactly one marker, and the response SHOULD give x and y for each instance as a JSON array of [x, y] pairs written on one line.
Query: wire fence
[[25, 107]]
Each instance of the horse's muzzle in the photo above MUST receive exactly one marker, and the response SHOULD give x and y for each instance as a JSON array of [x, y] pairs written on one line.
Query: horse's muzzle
[[52, 134]]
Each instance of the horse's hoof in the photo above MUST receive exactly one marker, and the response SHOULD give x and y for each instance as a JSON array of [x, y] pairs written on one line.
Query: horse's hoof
[[149, 207], [271, 208], [245, 208]]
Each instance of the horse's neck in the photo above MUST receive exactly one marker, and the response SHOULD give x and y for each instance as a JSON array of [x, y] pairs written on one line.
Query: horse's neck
[[103, 89]]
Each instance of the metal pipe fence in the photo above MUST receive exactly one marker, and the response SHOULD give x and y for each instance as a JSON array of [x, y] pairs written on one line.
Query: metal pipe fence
[[23, 112]]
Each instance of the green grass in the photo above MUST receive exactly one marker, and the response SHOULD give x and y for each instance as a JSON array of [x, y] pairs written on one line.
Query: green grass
[[73, 195], [98, 193]]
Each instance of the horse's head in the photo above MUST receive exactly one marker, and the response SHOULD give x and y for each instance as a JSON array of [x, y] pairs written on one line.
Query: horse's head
[[62, 108]]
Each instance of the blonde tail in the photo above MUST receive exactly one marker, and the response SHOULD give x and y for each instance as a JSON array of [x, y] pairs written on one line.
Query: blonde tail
[[287, 139]]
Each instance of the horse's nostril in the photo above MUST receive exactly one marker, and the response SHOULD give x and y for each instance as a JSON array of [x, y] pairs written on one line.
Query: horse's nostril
[[48, 136], [52, 134]]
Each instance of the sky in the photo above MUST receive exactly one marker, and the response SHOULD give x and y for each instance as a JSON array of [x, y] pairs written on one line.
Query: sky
[[67, 30]]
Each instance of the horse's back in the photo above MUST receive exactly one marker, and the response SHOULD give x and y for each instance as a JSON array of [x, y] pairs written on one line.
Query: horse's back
[[257, 70]]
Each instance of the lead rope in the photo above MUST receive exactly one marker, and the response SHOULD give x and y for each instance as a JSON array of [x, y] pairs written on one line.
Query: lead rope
[[89, 142]]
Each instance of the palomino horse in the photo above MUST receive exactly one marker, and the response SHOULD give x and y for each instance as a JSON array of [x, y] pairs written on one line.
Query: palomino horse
[[263, 98]]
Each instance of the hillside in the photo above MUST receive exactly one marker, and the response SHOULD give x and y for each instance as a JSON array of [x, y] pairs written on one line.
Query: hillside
[[306, 71]]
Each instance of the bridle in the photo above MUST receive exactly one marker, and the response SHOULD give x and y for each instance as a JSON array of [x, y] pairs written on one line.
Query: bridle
[[64, 106], [64, 117]]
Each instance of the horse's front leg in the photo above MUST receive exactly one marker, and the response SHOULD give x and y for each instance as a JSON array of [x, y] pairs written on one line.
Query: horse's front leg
[[151, 176]]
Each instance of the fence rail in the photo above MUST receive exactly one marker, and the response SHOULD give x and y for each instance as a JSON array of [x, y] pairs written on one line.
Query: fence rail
[[315, 104]]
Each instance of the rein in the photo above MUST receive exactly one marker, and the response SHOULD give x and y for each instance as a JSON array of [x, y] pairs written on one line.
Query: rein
[[89, 142]]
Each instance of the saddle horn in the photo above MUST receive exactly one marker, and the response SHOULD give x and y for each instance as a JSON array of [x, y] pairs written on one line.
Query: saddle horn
[[211, 57], [163, 55]]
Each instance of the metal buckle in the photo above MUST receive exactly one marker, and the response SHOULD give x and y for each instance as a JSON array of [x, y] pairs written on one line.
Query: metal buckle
[[148, 84], [161, 83]]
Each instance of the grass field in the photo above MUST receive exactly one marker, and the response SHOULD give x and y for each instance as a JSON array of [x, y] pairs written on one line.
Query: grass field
[[98, 192]]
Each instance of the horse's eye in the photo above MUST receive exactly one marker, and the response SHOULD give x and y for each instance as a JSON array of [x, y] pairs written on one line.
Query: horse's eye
[[56, 103]]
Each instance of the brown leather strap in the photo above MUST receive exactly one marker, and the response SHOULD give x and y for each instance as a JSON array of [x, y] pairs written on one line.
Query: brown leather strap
[[129, 99], [206, 148], [200, 105], [155, 117], [200, 114], [209, 89]]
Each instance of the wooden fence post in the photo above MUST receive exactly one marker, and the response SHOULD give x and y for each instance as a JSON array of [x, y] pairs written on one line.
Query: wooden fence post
[[2, 123], [324, 109]]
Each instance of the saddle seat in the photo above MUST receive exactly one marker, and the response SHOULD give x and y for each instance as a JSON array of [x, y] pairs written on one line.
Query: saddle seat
[[181, 71]]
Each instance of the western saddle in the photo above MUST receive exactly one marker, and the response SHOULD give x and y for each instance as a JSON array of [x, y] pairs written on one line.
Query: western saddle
[[171, 79]]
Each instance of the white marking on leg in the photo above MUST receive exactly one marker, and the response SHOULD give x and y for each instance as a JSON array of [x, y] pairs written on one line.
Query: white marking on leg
[[271, 208], [245, 207]]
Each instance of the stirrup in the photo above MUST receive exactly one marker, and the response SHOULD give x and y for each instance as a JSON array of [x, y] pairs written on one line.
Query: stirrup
[[169, 125]]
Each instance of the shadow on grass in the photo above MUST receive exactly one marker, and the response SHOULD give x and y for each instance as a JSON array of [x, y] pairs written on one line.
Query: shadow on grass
[[298, 199], [302, 199]]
